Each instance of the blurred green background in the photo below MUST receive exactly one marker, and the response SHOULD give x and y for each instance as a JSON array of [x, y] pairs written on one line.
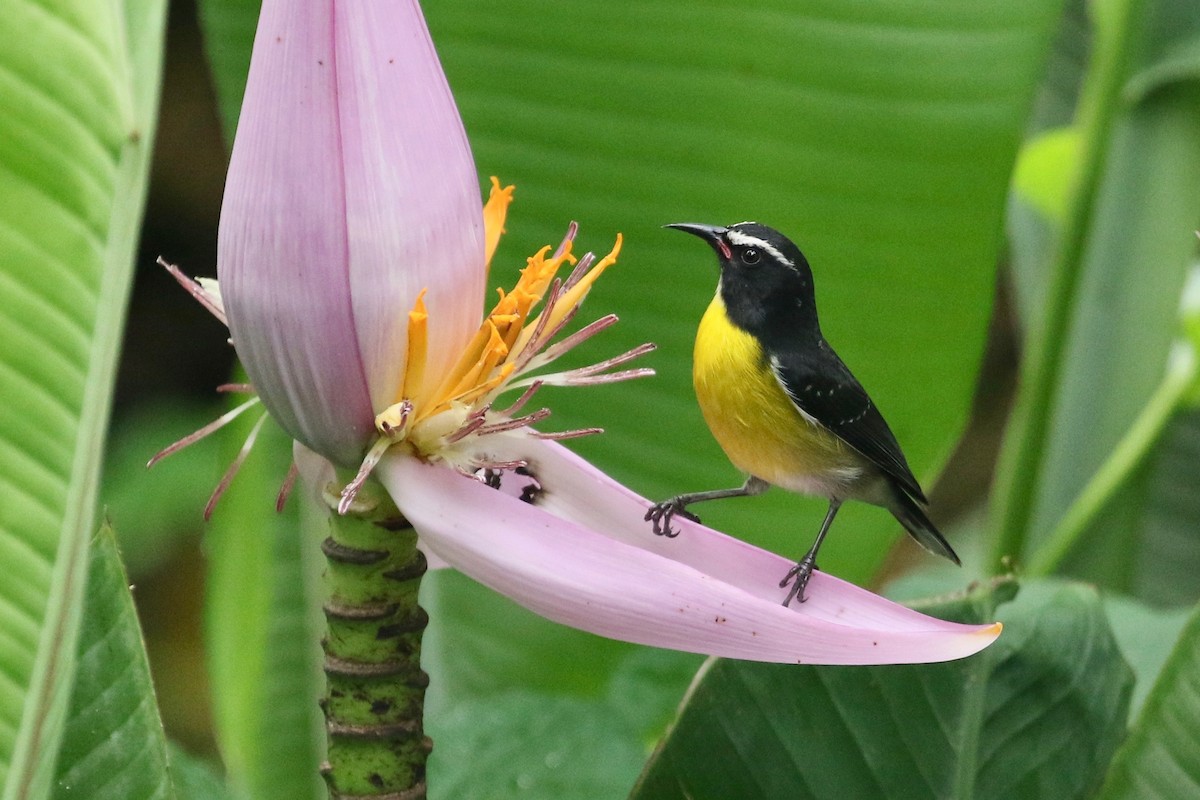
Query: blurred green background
[[883, 138], [717, 147]]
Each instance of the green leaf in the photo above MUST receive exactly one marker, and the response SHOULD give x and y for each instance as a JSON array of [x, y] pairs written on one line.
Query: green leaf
[[1123, 338], [1168, 558], [74, 154], [1169, 54], [1046, 163], [531, 745], [156, 511], [263, 600], [196, 779], [1147, 636], [1144, 540], [113, 747], [1044, 170], [1159, 759], [891, 179], [228, 27], [1121, 475], [468, 648], [1036, 715], [1113, 294], [263, 627], [517, 706], [607, 122], [1058, 91]]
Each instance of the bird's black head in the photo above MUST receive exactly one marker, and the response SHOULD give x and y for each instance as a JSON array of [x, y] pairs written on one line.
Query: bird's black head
[[766, 282]]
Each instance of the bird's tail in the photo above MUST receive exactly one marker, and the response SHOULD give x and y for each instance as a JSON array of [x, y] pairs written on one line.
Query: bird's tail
[[914, 520]]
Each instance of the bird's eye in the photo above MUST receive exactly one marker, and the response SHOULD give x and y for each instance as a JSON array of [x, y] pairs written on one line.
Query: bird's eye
[[750, 256]]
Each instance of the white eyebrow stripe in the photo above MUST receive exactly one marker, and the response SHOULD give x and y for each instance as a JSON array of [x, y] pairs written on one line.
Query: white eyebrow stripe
[[736, 237]]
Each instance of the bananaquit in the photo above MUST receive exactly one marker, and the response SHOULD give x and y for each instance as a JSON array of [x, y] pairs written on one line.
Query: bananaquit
[[780, 402]]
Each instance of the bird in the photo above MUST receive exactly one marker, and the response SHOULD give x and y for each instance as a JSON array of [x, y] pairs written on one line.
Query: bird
[[784, 407]]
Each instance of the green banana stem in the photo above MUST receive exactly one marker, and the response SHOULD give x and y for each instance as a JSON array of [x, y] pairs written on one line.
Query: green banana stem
[[375, 694]]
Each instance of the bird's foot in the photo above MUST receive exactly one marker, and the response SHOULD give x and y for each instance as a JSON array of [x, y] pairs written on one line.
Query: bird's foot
[[798, 576], [661, 514]]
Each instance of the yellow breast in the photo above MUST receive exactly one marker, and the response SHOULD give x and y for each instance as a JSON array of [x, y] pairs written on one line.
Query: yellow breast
[[754, 420]]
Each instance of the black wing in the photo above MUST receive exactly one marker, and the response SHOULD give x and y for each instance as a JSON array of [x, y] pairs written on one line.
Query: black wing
[[823, 388]]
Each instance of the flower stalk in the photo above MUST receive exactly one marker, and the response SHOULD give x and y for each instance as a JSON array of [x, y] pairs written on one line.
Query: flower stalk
[[375, 688]]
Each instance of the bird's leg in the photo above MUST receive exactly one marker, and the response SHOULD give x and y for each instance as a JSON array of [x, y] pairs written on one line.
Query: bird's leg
[[660, 514], [803, 570]]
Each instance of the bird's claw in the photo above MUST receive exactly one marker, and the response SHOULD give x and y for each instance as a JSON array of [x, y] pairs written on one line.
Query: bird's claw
[[798, 576], [661, 514]]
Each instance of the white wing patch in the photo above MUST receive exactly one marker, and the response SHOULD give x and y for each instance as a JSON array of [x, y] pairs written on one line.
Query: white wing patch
[[736, 237], [833, 480], [775, 370]]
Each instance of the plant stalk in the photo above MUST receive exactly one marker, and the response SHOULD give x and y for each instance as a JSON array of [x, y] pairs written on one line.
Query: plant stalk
[[1127, 457], [1023, 456], [375, 688]]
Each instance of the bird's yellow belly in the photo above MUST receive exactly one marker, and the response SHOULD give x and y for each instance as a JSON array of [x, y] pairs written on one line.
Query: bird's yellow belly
[[755, 421]]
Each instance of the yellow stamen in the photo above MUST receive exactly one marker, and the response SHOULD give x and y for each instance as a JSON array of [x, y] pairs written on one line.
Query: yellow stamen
[[475, 392], [469, 358], [510, 324], [418, 344], [436, 415], [494, 212], [569, 300], [490, 357], [540, 270], [512, 309], [492, 354], [578, 292]]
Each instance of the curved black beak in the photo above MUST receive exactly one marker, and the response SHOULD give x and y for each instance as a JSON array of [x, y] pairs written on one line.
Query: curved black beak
[[713, 234], [709, 233]]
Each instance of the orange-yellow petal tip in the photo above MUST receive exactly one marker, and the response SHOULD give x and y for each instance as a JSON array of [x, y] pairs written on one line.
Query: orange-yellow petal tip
[[498, 189], [611, 258], [419, 305], [494, 213]]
